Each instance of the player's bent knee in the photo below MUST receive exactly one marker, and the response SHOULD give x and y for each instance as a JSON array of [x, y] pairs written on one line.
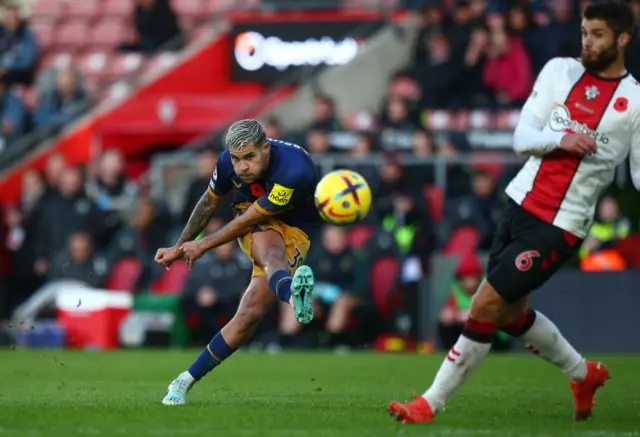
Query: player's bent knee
[[487, 304]]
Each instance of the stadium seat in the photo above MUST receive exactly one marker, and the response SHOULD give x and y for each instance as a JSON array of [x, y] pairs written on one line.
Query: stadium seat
[[125, 275], [51, 9], [44, 31], [359, 236], [404, 87], [190, 8], [120, 9], [383, 278], [94, 64], [84, 9], [120, 64], [361, 121], [159, 63], [72, 35], [57, 59], [462, 240], [629, 249], [171, 281], [438, 120], [435, 199], [107, 33]]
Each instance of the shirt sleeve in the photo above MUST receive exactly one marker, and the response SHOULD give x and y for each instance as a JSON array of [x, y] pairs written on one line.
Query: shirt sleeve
[[528, 138], [282, 194], [634, 155], [220, 182], [540, 102]]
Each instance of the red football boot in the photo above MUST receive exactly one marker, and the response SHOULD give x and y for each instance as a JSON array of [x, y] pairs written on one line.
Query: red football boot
[[418, 411], [584, 391]]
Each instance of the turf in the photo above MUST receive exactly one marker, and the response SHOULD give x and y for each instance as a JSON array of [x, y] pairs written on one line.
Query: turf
[[56, 393]]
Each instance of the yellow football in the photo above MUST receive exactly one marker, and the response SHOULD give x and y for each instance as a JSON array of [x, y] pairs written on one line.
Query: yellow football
[[343, 197]]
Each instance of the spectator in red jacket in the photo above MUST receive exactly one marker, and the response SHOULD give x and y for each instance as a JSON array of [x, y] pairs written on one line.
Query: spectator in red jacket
[[507, 72]]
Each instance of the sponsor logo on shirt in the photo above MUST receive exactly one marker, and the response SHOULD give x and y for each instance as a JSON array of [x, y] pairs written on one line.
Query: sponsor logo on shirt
[[560, 121], [584, 108], [280, 195]]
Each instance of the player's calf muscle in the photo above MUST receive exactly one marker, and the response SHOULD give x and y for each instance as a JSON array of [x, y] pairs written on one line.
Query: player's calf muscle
[[256, 301]]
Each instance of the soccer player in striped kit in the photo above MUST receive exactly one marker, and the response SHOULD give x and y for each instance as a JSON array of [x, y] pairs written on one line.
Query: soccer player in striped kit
[[581, 120]]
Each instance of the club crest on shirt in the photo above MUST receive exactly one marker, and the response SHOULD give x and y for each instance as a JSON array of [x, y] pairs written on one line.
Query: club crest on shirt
[[591, 92]]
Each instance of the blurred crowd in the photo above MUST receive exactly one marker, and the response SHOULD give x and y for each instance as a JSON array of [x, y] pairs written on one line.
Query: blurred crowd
[[38, 91], [80, 223]]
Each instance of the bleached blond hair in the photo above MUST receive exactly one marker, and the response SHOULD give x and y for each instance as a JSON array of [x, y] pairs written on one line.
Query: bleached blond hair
[[244, 132]]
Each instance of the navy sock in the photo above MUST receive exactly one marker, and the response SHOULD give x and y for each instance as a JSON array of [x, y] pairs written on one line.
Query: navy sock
[[280, 284], [214, 354]]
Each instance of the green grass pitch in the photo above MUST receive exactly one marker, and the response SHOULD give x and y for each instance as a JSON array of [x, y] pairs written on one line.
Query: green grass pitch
[[66, 393]]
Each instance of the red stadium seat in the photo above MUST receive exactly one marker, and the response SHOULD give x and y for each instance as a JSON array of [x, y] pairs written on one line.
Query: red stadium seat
[[51, 9], [84, 9], [94, 64], [121, 64], [462, 240], [72, 35], [191, 8], [120, 9], [404, 87], [438, 120], [361, 121], [106, 33], [160, 62], [58, 60], [435, 199], [172, 281], [359, 236], [44, 31], [125, 275], [629, 249], [383, 278]]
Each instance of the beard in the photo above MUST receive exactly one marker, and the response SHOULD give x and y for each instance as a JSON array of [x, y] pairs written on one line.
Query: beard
[[597, 62]]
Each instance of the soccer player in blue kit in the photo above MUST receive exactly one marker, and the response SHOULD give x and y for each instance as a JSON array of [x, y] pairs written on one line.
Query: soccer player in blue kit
[[275, 213]]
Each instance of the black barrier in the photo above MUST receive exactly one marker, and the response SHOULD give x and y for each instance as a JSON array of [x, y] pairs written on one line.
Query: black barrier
[[596, 312], [266, 52]]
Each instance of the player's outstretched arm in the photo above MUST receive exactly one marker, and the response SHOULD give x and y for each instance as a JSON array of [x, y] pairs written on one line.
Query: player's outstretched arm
[[200, 217], [236, 228], [529, 139]]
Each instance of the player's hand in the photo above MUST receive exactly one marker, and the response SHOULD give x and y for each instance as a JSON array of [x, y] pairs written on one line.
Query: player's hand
[[579, 144], [192, 251], [167, 255]]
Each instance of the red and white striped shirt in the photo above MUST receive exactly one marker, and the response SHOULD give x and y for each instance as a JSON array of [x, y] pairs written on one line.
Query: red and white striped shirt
[[554, 185]]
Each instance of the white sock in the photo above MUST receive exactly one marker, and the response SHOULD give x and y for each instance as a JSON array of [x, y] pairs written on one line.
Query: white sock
[[544, 339], [462, 359], [187, 377]]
